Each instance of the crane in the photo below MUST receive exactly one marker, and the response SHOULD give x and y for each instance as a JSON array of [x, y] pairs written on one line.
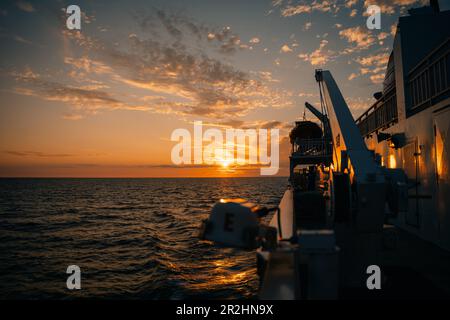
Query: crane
[[298, 260]]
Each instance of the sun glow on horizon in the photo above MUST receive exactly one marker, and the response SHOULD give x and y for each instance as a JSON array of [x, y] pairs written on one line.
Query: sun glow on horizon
[[225, 163]]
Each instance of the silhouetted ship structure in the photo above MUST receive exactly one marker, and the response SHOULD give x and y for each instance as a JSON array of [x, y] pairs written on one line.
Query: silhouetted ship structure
[[366, 213], [408, 126]]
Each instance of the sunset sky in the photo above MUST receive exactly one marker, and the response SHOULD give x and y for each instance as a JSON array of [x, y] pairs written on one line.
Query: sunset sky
[[103, 101]]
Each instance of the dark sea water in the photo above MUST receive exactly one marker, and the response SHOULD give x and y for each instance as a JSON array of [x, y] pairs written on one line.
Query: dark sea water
[[132, 238]]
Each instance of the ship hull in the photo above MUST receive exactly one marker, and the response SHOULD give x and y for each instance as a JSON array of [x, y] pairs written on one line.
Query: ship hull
[[425, 160]]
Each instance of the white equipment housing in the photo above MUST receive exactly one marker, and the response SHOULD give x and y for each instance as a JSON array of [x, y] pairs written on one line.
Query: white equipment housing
[[236, 223]]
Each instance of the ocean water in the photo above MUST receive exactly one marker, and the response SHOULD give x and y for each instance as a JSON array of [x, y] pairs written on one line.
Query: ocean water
[[132, 238]]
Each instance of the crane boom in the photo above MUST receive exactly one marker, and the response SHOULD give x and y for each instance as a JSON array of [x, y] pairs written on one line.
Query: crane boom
[[315, 112], [350, 155], [322, 117]]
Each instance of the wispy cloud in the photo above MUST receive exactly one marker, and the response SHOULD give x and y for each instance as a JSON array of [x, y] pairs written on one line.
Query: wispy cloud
[[392, 6], [187, 82], [25, 6], [358, 105], [289, 10], [320, 56], [307, 25], [37, 154], [285, 49], [372, 65], [360, 38], [87, 101], [16, 37], [350, 3], [22, 40]]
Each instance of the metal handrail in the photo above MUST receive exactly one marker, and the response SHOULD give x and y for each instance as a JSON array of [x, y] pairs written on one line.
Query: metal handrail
[[312, 147]]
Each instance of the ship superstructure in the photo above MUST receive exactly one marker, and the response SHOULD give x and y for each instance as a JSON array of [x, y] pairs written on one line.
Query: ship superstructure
[[408, 127]]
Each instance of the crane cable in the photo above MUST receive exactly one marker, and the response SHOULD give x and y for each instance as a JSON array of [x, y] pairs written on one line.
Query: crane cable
[[322, 105]]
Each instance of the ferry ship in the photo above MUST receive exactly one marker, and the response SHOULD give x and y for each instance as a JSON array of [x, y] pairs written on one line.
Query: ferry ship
[[366, 213]]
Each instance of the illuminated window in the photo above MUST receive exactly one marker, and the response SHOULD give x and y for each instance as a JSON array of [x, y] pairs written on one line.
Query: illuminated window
[[392, 161]]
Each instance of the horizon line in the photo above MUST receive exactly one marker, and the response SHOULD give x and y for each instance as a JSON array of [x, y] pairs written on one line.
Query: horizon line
[[187, 177]]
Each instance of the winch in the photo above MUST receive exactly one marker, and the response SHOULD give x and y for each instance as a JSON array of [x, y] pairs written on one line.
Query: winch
[[237, 223]]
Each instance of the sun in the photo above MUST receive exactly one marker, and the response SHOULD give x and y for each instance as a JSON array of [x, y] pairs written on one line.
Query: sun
[[225, 163]]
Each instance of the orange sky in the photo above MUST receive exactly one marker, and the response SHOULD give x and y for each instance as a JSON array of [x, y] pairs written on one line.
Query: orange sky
[[103, 101]]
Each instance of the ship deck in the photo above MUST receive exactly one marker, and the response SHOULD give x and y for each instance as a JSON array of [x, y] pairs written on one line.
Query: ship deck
[[412, 269]]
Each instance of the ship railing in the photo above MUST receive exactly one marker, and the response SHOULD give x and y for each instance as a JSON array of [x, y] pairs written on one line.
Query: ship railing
[[426, 84], [380, 115], [429, 81], [312, 147]]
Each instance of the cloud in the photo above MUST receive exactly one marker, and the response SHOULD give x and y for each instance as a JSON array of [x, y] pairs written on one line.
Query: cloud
[[84, 100], [73, 117], [260, 124], [352, 76], [393, 29], [270, 124], [285, 49], [16, 38], [22, 40], [183, 29], [208, 85], [306, 7], [391, 6], [276, 3], [187, 82], [358, 105], [350, 3], [377, 78], [228, 42], [320, 56], [359, 37], [25, 6], [175, 24], [295, 10], [308, 95], [273, 124], [175, 166], [231, 45], [37, 154], [383, 35], [379, 59], [88, 65], [168, 23], [87, 18], [372, 65], [267, 76]]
